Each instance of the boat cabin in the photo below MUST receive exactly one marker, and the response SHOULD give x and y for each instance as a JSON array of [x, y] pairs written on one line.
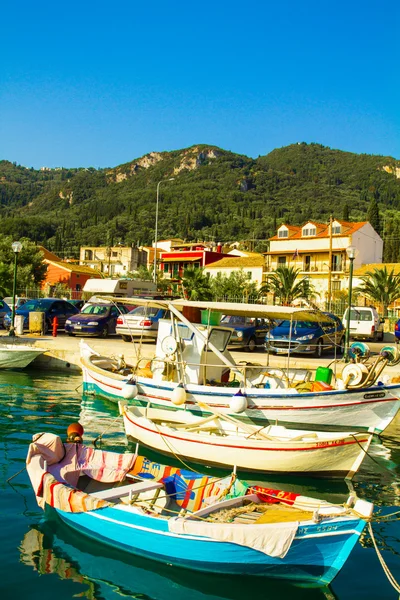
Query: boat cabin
[[202, 365]]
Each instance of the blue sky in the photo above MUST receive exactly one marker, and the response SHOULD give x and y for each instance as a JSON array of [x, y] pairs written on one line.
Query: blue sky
[[101, 83]]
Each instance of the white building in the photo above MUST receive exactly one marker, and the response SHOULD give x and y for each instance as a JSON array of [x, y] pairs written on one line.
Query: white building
[[320, 253]]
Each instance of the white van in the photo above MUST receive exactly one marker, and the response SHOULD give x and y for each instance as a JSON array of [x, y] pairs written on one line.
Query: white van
[[365, 323]]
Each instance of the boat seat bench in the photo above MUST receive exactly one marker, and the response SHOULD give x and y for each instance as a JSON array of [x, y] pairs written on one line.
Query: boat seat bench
[[124, 490]]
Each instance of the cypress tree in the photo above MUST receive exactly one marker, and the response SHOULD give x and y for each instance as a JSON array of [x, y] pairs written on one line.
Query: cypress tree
[[373, 215]]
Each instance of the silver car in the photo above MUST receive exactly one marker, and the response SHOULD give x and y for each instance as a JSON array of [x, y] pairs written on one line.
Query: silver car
[[141, 321]]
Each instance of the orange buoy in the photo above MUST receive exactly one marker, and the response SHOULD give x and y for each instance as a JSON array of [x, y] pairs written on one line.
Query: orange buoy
[[75, 430]]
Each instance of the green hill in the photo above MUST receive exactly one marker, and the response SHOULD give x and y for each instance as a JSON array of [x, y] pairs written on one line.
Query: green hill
[[216, 194]]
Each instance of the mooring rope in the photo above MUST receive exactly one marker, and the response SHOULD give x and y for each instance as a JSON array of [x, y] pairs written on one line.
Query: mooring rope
[[384, 566]]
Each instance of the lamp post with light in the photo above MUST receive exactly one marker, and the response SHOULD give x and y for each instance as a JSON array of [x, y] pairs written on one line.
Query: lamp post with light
[[17, 247], [156, 230], [351, 253]]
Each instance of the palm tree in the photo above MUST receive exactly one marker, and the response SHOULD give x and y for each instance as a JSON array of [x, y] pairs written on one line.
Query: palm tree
[[196, 285], [283, 285], [380, 286]]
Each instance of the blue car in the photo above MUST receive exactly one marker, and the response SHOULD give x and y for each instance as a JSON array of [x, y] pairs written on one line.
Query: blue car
[[397, 331], [249, 333], [4, 310], [97, 319], [307, 337], [52, 307]]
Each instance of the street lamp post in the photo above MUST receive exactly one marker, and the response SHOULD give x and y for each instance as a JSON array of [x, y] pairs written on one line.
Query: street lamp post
[[156, 230], [17, 247], [351, 253]]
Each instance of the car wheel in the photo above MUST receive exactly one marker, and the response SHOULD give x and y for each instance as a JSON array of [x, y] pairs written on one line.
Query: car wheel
[[126, 338], [104, 332], [46, 327], [341, 345], [70, 334], [251, 344], [381, 336], [318, 349]]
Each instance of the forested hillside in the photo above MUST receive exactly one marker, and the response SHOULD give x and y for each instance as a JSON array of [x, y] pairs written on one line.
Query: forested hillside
[[215, 195]]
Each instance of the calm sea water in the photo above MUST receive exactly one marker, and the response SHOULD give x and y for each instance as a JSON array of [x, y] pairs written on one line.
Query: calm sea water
[[45, 560]]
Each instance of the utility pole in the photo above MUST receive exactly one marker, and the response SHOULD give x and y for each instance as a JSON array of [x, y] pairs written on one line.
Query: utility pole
[[330, 265]]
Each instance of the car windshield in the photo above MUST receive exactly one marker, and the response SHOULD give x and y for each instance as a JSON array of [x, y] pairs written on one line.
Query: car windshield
[[95, 309], [360, 315], [144, 311], [298, 324], [41, 304], [233, 320]]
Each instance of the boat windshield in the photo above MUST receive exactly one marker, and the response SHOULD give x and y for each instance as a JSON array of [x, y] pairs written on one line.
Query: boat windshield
[[219, 338]]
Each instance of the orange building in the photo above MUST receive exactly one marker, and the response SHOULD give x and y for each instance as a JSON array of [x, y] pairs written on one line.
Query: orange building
[[71, 275]]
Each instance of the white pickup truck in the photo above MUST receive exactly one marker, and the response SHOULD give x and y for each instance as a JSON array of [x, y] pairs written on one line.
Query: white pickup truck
[[365, 323]]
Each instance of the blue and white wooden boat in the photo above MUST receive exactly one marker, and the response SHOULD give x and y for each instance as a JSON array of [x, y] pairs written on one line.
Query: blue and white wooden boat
[[190, 520], [192, 365]]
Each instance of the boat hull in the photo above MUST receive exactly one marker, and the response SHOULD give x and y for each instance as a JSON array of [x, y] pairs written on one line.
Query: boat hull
[[17, 357], [334, 456], [316, 555], [361, 409]]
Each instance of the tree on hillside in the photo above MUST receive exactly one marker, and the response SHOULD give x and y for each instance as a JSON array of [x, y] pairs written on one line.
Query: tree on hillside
[[373, 216], [196, 285], [380, 286], [285, 287]]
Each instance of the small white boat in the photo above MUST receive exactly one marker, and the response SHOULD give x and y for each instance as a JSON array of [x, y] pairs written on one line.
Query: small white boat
[[227, 442], [18, 356], [192, 364]]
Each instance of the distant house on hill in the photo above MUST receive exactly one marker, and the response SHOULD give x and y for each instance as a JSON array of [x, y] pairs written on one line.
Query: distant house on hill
[[112, 261]]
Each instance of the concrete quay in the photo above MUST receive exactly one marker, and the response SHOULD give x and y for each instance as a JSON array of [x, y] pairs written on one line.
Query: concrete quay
[[63, 354]]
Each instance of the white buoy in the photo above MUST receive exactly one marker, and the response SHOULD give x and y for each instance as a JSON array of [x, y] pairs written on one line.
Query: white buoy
[[179, 395], [129, 390], [238, 402]]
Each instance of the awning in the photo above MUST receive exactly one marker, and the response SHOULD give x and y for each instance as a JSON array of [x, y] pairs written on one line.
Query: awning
[[236, 308], [181, 259]]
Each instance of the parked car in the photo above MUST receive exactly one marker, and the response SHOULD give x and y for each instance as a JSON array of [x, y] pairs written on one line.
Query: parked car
[[52, 307], [18, 301], [307, 337], [4, 310], [397, 331], [141, 321], [365, 323], [249, 333], [79, 304], [95, 319]]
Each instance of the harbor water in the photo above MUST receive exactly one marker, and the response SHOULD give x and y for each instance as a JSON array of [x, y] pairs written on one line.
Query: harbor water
[[45, 560]]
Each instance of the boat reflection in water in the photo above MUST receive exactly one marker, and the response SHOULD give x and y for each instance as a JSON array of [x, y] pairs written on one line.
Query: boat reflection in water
[[103, 574]]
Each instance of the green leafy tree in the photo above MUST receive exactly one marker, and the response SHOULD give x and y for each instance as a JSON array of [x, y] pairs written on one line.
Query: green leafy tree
[[380, 286], [31, 270], [235, 286], [286, 287], [196, 285]]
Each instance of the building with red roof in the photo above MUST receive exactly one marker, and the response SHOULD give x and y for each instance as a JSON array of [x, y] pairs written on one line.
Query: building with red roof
[[319, 251]]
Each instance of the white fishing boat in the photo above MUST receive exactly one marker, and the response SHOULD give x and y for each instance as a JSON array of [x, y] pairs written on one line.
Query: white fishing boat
[[18, 356], [224, 441], [192, 364]]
